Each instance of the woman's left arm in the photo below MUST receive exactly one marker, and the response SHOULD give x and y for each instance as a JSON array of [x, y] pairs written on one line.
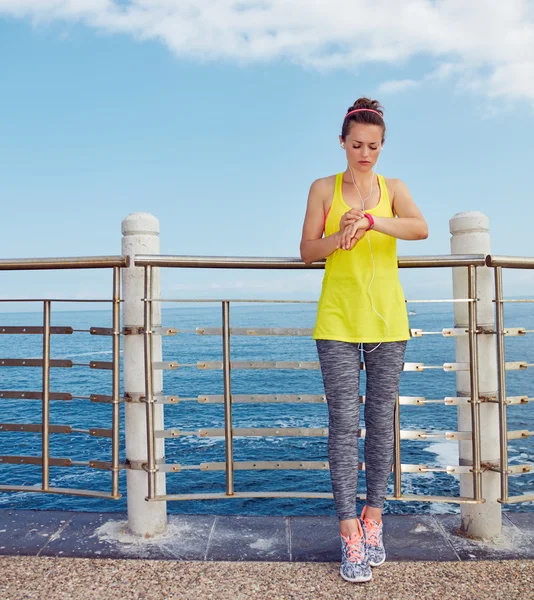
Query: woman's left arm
[[410, 223]]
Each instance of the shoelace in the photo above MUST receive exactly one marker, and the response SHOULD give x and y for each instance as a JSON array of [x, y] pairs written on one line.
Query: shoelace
[[372, 532], [354, 547]]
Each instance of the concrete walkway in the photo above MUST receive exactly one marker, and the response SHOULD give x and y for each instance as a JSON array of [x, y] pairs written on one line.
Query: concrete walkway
[[234, 538], [71, 555]]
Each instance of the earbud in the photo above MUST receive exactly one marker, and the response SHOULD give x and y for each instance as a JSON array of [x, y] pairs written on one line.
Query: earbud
[[343, 146]]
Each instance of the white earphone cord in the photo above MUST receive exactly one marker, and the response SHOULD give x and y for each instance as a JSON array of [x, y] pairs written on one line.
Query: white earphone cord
[[374, 266]]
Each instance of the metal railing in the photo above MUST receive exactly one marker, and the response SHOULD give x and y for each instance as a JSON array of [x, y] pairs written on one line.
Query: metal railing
[[152, 466], [499, 263], [148, 262], [46, 363]]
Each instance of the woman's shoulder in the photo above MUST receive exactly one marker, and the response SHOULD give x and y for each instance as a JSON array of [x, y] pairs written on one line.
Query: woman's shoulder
[[395, 186], [322, 191], [324, 184], [393, 183]]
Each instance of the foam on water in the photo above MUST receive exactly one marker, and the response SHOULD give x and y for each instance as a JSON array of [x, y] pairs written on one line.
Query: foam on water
[[446, 453]]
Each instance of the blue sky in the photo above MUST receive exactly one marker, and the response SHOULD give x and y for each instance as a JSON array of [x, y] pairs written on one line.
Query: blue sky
[[216, 115]]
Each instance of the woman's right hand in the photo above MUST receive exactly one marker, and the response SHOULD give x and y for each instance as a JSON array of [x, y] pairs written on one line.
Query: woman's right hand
[[353, 233], [350, 217]]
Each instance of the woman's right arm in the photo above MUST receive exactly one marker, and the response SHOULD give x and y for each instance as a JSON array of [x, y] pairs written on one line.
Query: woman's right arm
[[313, 245]]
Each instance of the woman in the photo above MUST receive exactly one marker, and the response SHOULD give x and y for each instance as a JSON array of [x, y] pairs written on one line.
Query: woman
[[362, 308]]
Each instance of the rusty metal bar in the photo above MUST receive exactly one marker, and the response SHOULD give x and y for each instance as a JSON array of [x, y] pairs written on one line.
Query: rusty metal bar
[[101, 398], [149, 387], [473, 372], [12, 459], [46, 397], [35, 330], [227, 375], [101, 330], [99, 432], [36, 428], [100, 364], [520, 469], [35, 362], [22, 395], [115, 386]]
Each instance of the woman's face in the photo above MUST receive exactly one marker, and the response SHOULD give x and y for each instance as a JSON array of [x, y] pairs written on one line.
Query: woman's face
[[362, 145]]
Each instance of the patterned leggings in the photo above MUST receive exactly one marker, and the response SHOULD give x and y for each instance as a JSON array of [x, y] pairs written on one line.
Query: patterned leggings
[[340, 367]]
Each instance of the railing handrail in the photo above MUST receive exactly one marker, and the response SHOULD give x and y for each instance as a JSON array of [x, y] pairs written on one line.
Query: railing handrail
[[247, 262], [510, 262], [76, 262], [258, 262]]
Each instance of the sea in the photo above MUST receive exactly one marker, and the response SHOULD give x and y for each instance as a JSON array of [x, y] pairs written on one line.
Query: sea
[[189, 348]]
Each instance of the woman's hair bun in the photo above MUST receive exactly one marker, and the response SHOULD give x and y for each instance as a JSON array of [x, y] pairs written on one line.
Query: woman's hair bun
[[367, 103]]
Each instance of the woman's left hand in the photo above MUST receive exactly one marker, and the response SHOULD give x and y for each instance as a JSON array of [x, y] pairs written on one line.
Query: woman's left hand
[[353, 233]]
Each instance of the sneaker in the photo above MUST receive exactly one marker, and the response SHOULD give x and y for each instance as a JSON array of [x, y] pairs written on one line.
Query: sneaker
[[374, 544], [354, 565]]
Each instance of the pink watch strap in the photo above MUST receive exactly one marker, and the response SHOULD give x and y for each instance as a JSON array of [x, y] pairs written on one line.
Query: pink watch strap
[[370, 219]]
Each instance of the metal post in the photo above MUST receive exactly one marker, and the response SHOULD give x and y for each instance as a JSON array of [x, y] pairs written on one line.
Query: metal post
[[228, 432], [46, 396], [397, 490], [116, 348], [149, 386], [470, 235], [501, 376], [473, 380], [141, 236]]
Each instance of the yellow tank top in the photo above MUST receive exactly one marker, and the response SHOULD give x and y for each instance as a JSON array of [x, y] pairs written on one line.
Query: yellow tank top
[[345, 310]]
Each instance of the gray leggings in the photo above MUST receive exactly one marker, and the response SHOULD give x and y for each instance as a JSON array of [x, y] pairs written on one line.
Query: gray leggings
[[340, 367]]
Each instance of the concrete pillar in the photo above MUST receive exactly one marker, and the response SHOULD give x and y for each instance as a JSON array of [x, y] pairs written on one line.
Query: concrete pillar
[[141, 236], [470, 235]]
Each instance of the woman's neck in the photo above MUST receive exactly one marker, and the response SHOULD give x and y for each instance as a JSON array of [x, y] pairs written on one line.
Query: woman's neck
[[362, 180]]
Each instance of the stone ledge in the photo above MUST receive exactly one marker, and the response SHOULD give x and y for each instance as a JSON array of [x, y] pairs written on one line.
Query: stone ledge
[[239, 538]]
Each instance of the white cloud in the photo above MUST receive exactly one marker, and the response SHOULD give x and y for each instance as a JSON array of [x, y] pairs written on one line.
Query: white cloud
[[398, 85], [485, 45]]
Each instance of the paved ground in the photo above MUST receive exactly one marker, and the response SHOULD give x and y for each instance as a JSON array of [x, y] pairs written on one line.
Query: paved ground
[[234, 538], [77, 556], [89, 579]]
